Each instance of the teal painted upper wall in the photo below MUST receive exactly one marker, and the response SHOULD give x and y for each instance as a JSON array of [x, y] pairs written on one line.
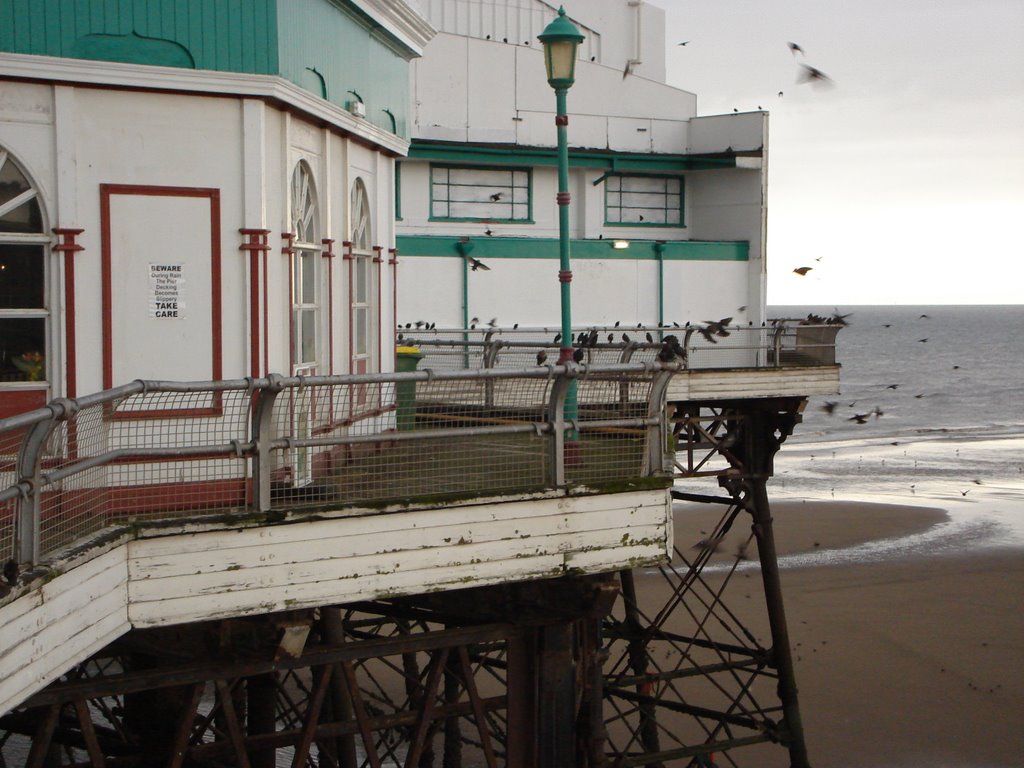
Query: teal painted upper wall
[[195, 34], [349, 53], [290, 38]]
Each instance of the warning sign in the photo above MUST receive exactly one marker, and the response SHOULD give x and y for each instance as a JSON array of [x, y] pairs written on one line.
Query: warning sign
[[166, 291]]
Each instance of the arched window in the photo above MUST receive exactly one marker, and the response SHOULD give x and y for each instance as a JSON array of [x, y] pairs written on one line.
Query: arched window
[[305, 269], [23, 295], [364, 295]]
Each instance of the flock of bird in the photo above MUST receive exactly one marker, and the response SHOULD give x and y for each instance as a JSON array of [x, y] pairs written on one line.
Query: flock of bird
[[830, 406], [805, 72]]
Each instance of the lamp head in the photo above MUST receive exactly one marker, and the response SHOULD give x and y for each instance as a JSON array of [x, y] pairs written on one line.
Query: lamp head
[[560, 39]]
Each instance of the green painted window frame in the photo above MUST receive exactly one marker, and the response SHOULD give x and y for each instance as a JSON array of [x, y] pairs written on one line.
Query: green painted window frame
[[512, 170], [619, 177]]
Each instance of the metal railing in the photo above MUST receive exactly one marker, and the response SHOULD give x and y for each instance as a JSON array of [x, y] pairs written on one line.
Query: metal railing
[[783, 343], [155, 450]]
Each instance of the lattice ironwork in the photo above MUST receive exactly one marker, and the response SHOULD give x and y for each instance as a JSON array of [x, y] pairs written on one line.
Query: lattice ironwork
[[699, 670], [366, 690], [687, 677]]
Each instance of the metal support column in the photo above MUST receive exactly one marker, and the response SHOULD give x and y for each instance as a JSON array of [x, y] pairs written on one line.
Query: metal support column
[[781, 654]]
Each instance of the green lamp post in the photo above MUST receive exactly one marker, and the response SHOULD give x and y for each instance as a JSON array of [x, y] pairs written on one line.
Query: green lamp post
[[560, 39]]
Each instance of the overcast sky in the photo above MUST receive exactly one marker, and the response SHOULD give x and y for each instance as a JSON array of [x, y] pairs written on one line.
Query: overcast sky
[[903, 182]]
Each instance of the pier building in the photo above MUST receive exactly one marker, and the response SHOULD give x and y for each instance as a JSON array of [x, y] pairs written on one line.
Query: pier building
[[233, 534]]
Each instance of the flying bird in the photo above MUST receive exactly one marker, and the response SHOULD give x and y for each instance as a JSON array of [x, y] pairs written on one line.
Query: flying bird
[[795, 49], [686, 42], [810, 74], [922, 341], [475, 264], [488, 232], [829, 407], [630, 63], [707, 335], [717, 327], [892, 386], [496, 197], [803, 270], [860, 418]]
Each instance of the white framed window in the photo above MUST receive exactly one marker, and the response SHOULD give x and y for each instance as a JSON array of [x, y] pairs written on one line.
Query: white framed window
[[364, 281], [305, 270], [646, 201], [24, 313]]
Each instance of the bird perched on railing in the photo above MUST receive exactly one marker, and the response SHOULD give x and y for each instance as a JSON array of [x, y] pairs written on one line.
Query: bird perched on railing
[[542, 357], [671, 349]]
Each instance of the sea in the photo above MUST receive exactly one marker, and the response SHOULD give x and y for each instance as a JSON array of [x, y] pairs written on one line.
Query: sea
[[930, 413]]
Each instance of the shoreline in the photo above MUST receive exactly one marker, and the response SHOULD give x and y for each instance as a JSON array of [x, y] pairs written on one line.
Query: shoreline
[[803, 526], [904, 661]]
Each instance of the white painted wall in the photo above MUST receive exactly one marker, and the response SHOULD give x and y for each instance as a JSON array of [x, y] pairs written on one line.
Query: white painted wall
[[71, 140], [479, 91], [614, 31], [526, 291], [466, 89]]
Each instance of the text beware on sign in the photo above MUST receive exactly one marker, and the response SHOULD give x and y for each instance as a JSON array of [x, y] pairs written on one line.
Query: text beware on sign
[[166, 291]]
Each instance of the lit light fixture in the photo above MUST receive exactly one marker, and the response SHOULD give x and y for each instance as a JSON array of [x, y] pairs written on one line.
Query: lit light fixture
[[620, 245]]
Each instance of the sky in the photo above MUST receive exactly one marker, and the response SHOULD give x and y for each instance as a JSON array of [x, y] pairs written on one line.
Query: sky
[[901, 181]]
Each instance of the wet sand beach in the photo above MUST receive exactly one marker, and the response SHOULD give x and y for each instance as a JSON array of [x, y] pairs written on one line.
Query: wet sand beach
[[908, 660]]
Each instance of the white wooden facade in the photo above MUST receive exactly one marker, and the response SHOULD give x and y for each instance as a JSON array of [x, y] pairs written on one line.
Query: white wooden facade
[[199, 572]]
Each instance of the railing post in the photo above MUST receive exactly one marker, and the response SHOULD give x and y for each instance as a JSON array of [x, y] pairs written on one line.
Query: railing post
[[556, 417], [780, 335], [30, 460], [490, 361], [658, 458], [262, 435]]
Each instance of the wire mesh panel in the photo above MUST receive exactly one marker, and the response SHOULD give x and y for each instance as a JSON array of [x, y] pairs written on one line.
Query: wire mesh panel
[[120, 479], [714, 344], [612, 436], [161, 450], [8, 510], [395, 440]]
